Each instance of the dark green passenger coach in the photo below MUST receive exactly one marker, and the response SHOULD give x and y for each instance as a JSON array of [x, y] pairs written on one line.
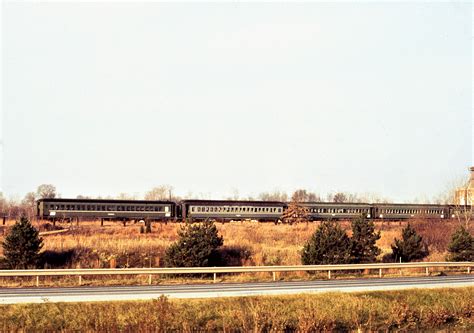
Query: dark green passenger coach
[[58, 209]]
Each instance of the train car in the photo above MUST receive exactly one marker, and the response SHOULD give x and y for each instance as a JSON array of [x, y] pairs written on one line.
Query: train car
[[406, 211], [57, 209], [231, 210], [461, 211], [326, 210]]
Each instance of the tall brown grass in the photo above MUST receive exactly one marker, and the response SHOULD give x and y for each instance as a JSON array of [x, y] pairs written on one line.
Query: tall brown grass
[[245, 243], [375, 311]]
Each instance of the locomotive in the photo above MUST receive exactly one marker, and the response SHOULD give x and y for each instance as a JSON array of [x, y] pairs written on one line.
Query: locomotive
[[230, 210]]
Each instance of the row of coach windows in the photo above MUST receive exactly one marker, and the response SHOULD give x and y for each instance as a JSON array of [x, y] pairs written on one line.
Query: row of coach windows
[[338, 210], [411, 211], [234, 209], [106, 208]]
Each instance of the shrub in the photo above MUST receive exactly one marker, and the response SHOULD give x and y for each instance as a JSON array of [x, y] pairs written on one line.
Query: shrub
[[364, 237], [410, 247], [461, 247], [196, 247], [328, 245], [22, 245]]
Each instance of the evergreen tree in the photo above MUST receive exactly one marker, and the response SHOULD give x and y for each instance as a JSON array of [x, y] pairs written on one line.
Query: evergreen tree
[[22, 245], [197, 246], [461, 247], [328, 245], [364, 238], [410, 247]]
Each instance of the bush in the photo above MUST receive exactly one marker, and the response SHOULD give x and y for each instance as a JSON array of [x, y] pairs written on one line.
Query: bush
[[461, 247], [197, 246], [410, 247], [328, 245], [364, 238], [22, 245]]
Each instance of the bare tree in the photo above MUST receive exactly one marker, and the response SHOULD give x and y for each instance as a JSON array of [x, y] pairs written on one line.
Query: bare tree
[[276, 195], [46, 191], [234, 195], [339, 197], [464, 200], [3, 206], [313, 197], [374, 198], [126, 196], [295, 213], [162, 192], [300, 195], [28, 204]]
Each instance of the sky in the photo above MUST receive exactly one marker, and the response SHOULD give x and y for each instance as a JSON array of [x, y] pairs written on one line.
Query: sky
[[102, 98]]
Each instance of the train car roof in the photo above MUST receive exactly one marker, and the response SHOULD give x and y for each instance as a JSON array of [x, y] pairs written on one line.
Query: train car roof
[[333, 203], [105, 201], [408, 204], [233, 202]]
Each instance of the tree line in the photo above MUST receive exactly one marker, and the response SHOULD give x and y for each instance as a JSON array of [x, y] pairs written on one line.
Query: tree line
[[15, 208]]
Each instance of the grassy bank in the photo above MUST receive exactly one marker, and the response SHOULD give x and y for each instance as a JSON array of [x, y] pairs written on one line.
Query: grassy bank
[[414, 309], [245, 243]]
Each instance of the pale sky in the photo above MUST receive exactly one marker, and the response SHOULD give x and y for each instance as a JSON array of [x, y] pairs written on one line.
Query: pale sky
[[103, 98]]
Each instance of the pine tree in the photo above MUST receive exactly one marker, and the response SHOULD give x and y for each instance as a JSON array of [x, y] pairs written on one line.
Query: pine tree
[[410, 247], [22, 245], [461, 247], [328, 245], [364, 238], [197, 246]]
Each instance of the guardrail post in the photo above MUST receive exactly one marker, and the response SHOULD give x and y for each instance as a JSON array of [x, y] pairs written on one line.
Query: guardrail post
[[427, 269], [149, 279], [215, 277], [380, 272], [274, 276], [329, 275], [468, 270], [80, 280], [37, 280]]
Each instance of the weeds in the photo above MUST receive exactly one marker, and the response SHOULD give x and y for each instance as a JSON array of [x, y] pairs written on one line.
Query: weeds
[[376, 311]]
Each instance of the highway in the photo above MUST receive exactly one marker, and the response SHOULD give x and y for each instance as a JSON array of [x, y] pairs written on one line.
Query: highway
[[121, 293]]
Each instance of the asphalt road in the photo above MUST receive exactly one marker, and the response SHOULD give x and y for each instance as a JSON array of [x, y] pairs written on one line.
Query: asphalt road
[[89, 294]]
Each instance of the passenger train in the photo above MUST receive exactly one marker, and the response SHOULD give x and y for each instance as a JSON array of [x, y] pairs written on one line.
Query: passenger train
[[229, 210]]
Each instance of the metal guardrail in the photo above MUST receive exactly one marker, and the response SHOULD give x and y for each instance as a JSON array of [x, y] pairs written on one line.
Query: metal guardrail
[[238, 269]]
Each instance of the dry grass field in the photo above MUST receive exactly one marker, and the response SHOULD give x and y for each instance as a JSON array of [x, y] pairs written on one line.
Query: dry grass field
[[245, 243], [443, 310]]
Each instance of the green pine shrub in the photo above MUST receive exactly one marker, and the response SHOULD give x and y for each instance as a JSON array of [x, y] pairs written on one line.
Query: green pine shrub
[[196, 247], [363, 241], [328, 245], [22, 245], [411, 247], [461, 247]]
